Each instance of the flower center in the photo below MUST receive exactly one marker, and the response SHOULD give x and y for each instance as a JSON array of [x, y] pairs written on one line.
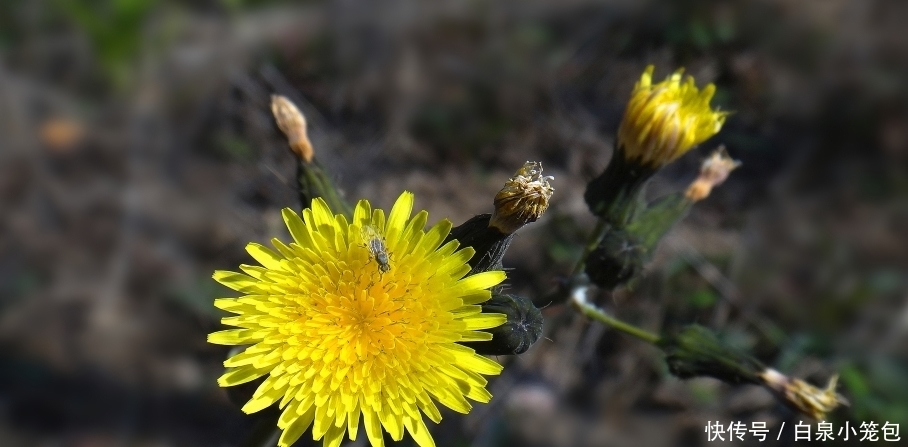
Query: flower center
[[359, 314]]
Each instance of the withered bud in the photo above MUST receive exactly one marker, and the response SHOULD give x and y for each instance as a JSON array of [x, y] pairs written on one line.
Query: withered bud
[[522, 329], [293, 124], [523, 199], [713, 172], [802, 396]]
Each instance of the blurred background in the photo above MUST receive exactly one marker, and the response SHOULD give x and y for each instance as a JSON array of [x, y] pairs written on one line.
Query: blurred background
[[138, 154]]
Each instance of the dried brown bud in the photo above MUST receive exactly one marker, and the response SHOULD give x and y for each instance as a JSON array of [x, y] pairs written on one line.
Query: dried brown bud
[[713, 172], [523, 199], [292, 122], [802, 396]]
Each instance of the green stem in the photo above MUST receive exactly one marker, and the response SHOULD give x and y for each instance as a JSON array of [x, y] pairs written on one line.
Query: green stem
[[599, 315], [314, 181]]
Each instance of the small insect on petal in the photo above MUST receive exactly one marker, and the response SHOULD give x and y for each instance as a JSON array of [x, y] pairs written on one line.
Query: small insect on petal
[[377, 249]]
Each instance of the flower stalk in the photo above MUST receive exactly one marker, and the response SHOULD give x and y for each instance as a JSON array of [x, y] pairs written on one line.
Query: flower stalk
[[313, 180], [580, 301]]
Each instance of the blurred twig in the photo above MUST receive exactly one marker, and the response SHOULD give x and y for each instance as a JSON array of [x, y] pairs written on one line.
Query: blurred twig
[[727, 289]]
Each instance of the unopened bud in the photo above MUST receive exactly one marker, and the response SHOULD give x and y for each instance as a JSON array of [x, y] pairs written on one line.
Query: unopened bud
[[802, 396], [617, 259], [696, 351], [522, 329], [293, 124], [713, 172], [523, 199]]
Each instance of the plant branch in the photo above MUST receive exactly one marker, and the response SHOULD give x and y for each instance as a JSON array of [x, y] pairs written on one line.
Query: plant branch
[[580, 302]]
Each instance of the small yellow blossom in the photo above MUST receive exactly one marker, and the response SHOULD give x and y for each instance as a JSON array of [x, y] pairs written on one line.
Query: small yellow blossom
[[665, 120], [343, 338]]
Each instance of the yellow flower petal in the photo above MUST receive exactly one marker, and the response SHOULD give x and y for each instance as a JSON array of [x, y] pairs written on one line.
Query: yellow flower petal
[[420, 433], [237, 281], [296, 428], [484, 321], [397, 220], [264, 256], [479, 281]]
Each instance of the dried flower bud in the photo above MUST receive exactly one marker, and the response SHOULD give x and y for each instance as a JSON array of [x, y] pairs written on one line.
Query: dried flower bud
[[293, 124], [802, 396], [523, 199], [522, 329], [713, 172]]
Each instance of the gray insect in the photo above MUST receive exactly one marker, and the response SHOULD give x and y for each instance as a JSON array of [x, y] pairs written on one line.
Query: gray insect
[[375, 242]]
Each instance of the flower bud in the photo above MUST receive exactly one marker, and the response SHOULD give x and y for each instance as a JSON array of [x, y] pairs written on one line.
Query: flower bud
[[522, 329], [523, 199], [802, 396], [665, 120], [661, 122], [713, 172], [615, 194], [313, 180], [696, 351], [293, 124], [617, 259]]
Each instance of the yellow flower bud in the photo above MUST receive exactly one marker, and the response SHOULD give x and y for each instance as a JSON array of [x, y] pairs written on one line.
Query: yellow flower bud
[[665, 120]]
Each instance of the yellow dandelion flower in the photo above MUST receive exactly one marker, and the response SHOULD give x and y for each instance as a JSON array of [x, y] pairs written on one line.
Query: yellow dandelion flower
[[664, 120], [342, 337]]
